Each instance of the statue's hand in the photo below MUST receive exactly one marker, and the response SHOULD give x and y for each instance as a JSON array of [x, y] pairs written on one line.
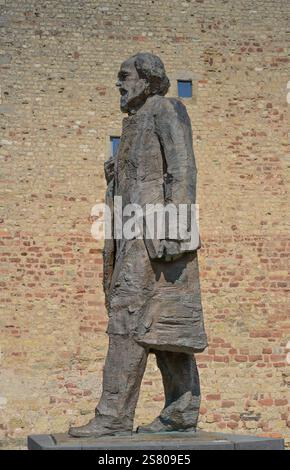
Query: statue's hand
[[169, 250], [109, 169]]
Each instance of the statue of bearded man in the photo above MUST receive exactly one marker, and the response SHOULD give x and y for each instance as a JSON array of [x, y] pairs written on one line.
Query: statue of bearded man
[[151, 285]]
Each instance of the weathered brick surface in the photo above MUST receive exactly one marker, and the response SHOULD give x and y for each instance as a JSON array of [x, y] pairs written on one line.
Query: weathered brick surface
[[58, 63]]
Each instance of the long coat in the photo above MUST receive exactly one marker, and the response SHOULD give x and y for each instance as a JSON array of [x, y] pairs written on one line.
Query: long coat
[[157, 302]]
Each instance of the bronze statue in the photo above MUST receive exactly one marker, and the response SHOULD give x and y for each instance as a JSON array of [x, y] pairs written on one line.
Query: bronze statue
[[151, 286]]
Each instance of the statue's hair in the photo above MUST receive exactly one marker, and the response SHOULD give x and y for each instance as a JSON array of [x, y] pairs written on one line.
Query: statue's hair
[[150, 67]]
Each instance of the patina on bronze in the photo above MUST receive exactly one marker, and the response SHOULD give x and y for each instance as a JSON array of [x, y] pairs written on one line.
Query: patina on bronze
[[151, 287]]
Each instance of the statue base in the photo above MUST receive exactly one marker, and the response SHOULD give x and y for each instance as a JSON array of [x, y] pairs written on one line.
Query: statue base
[[177, 441]]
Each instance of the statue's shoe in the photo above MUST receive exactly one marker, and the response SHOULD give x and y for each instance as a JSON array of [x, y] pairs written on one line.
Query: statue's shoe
[[159, 425], [98, 427]]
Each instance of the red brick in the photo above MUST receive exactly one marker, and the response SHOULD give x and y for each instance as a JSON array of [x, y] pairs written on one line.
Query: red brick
[[281, 402], [240, 358], [266, 401], [227, 403], [213, 396], [232, 425]]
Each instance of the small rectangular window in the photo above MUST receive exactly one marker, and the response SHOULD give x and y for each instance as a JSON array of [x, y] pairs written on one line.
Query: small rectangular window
[[184, 88], [114, 145]]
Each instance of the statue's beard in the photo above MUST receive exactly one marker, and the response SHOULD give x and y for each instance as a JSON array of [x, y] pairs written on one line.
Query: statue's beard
[[124, 101], [131, 101]]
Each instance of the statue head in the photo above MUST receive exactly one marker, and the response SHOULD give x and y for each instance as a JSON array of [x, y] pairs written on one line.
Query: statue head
[[139, 77]]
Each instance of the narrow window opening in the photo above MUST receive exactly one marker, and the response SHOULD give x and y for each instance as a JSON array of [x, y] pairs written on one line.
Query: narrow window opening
[[184, 88], [114, 141]]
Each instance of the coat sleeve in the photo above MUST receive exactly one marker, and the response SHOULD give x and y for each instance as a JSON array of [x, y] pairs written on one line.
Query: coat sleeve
[[173, 127], [109, 246]]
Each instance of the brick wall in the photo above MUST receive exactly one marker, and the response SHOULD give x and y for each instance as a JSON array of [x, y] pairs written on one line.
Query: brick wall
[[58, 64]]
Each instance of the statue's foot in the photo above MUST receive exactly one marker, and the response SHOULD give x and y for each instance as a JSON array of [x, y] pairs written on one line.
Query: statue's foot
[[99, 426], [158, 425]]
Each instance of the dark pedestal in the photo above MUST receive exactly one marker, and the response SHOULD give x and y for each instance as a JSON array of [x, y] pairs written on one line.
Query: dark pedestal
[[162, 441]]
